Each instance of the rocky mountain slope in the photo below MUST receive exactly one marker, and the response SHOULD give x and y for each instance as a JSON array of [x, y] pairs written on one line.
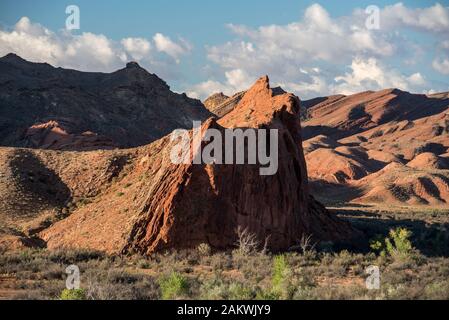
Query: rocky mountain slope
[[388, 147], [54, 108], [220, 104], [39, 187]]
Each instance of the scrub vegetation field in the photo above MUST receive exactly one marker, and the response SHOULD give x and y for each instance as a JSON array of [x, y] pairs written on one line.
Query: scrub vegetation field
[[410, 247]]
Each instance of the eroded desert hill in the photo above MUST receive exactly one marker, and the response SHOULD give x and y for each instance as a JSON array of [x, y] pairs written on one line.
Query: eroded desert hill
[[388, 147], [54, 108]]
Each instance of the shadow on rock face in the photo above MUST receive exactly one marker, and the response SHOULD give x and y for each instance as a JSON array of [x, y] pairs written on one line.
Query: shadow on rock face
[[39, 187]]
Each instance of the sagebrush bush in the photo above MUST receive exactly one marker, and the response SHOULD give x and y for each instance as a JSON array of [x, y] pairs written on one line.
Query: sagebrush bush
[[173, 286], [238, 291], [73, 294], [340, 274]]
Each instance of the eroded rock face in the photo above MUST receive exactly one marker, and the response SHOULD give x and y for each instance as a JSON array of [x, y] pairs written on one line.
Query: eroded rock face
[[192, 204], [377, 114]]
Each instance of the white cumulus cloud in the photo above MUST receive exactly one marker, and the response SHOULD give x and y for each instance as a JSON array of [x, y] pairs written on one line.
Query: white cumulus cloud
[[236, 80], [88, 51], [369, 74], [431, 19], [441, 65], [328, 45], [138, 48], [441, 62], [173, 49]]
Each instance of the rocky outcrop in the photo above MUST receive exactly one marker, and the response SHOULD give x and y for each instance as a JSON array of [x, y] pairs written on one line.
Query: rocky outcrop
[[398, 184], [182, 205], [220, 105], [46, 107], [208, 203], [39, 187], [52, 135], [215, 100]]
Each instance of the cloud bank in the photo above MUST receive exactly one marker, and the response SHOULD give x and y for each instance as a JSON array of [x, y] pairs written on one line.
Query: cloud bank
[[89, 51], [320, 55]]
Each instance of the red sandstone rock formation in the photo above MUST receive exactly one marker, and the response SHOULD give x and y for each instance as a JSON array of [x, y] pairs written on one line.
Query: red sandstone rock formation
[[191, 204], [170, 205]]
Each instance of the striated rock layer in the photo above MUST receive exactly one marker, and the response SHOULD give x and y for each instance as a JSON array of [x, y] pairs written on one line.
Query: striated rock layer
[[220, 104], [174, 206]]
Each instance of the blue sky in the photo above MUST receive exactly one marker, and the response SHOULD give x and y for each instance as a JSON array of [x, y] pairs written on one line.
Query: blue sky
[[197, 50]]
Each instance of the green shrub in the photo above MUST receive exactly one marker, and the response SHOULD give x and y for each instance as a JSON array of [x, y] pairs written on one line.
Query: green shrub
[[279, 271], [173, 286], [83, 201], [397, 245], [377, 244], [281, 279], [73, 294]]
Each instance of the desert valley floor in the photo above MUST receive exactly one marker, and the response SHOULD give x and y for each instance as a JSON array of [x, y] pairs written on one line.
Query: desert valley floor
[[322, 272]]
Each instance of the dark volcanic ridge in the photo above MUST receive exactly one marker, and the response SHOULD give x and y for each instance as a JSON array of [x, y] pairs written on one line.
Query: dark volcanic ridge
[[54, 108]]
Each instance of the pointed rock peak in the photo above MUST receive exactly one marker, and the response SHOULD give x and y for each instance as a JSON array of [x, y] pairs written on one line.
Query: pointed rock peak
[[260, 105], [397, 91], [132, 65], [218, 95], [263, 83], [259, 90], [19, 62], [12, 57], [264, 79]]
